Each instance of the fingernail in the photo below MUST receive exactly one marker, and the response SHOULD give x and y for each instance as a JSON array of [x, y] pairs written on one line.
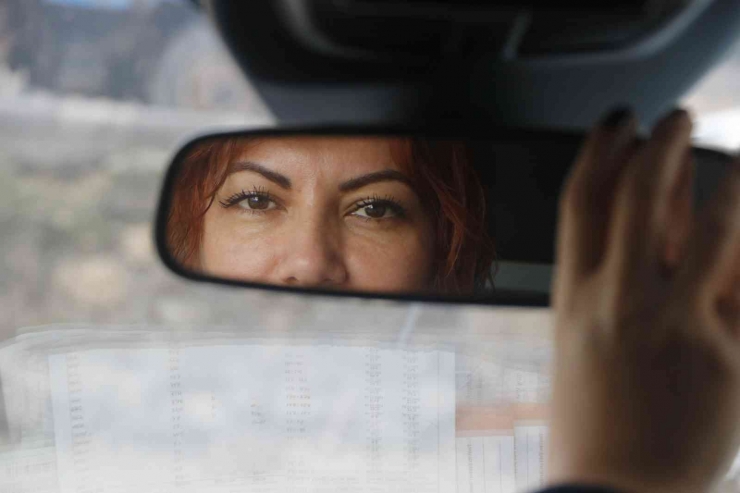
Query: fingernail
[[617, 117], [677, 113], [677, 119]]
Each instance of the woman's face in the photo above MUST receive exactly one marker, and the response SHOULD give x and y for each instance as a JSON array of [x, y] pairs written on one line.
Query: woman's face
[[335, 213]]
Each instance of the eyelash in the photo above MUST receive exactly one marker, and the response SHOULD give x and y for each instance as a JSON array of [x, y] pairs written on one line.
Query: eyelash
[[238, 197], [388, 201]]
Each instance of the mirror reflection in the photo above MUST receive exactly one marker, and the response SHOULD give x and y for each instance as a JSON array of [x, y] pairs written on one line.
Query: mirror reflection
[[380, 214]]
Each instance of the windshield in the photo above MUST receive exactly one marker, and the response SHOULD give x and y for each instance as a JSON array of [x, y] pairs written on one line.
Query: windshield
[[716, 104], [116, 375]]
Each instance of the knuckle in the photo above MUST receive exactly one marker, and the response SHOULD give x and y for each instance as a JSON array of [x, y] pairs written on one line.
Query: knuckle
[[715, 225]]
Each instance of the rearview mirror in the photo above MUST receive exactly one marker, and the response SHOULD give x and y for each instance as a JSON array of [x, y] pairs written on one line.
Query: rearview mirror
[[382, 213]]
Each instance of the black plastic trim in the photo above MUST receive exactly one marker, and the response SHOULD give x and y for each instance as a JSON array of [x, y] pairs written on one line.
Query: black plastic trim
[[712, 163], [498, 298]]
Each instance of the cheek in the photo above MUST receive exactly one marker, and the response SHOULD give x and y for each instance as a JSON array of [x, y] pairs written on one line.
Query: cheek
[[233, 252], [403, 263]]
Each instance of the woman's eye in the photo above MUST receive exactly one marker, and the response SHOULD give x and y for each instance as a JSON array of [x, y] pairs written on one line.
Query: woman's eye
[[253, 202], [257, 203], [378, 210]]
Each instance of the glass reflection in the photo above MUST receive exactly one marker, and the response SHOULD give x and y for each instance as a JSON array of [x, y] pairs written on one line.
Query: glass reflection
[[350, 213]]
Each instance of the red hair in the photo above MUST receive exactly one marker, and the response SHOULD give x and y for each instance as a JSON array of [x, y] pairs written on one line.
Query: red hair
[[441, 171]]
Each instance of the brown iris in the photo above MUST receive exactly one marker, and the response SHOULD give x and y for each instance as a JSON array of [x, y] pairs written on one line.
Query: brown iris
[[376, 211], [258, 202]]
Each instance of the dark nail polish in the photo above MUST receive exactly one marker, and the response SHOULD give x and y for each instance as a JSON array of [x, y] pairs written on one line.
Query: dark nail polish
[[676, 113], [617, 117]]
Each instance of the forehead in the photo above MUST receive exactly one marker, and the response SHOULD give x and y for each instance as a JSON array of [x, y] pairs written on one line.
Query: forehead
[[330, 156]]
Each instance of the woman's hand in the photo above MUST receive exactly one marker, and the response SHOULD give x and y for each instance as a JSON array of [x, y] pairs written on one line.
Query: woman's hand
[[647, 310]]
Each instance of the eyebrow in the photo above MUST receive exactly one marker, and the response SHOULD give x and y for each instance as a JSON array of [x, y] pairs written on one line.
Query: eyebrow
[[347, 186], [275, 177], [370, 178]]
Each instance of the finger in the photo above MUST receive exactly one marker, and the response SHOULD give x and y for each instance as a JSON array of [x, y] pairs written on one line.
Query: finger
[[643, 197], [680, 215], [713, 256], [728, 309], [588, 193]]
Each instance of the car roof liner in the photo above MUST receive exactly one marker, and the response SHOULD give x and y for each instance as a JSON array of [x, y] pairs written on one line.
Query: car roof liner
[[530, 63]]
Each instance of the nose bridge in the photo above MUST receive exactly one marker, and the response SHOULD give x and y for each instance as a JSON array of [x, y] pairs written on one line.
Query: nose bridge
[[316, 237], [313, 256]]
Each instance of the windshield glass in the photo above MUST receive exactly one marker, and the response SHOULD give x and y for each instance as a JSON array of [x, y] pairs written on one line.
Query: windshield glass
[[715, 101], [118, 376]]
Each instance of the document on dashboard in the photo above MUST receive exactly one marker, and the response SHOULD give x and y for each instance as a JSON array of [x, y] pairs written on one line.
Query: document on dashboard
[[503, 461], [254, 418]]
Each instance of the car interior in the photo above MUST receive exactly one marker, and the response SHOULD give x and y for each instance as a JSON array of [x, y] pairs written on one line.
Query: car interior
[[356, 67], [309, 245]]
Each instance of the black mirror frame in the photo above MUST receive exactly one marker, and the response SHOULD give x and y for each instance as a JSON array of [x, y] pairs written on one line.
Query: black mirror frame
[[714, 163], [497, 298], [457, 131]]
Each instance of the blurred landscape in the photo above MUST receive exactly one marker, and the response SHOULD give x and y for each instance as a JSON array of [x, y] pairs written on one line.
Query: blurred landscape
[[79, 181], [77, 196]]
